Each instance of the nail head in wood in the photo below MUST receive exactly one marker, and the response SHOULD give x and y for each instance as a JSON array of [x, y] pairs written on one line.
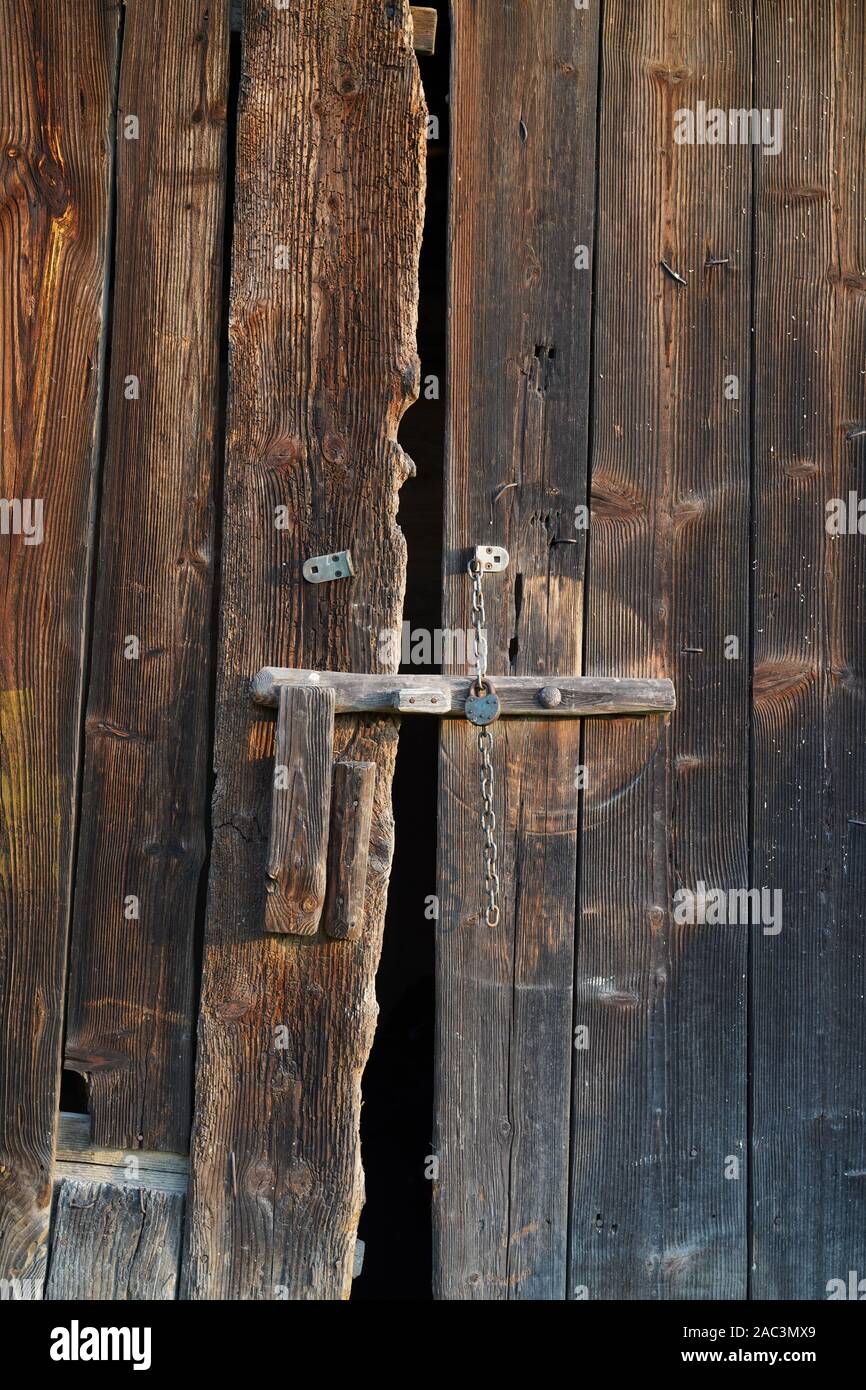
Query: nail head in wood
[[300, 810], [352, 818], [550, 696]]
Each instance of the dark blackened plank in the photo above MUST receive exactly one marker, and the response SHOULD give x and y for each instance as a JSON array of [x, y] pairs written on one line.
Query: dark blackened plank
[[522, 195], [349, 853], [142, 834], [300, 810], [660, 1072], [114, 1242], [328, 219], [809, 979], [57, 71]]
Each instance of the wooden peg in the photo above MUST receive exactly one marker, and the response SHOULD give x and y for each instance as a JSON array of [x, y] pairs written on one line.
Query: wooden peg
[[300, 810], [354, 784], [424, 23]]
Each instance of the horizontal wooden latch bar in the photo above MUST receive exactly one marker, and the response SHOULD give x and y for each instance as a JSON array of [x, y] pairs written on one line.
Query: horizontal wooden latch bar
[[556, 697]]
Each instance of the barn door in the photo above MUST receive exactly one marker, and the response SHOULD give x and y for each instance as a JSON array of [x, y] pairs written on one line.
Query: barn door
[[650, 1059], [119, 207]]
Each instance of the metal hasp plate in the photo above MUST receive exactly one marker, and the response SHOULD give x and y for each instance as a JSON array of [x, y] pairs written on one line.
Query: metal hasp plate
[[417, 700], [320, 568], [492, 558]]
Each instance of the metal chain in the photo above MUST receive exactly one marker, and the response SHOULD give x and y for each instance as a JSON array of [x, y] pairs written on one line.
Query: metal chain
[[485, 745]]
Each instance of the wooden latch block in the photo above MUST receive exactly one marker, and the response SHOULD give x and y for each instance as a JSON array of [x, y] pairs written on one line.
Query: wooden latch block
[[300, 809], [354, 785]]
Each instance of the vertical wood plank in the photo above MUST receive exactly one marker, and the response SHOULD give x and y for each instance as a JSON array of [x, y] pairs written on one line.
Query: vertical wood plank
[[328, 217], [349, 850], [142, 834], [809, 980], [300, 810], [659, 1081], [114, 1243], [522, 112], [57, 68]]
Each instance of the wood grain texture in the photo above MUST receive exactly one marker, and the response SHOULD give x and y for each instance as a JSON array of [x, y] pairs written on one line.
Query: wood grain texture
[[300, 810], [522, 110], [517, 694], [77, 1156], [349, 850], [423, 25], [322, 365], [142, 832], [114, 1243], [809, 980], [55, 135], [659, 1087], [424, 22]]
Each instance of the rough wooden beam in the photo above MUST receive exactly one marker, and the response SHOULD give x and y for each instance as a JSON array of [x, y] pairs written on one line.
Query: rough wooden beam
[[323, 363], [579, 696], [300, 809]]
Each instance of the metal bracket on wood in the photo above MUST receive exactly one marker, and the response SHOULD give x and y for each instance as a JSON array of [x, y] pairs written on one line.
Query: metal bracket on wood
[[422, 699], [321, 568], [492, 559]]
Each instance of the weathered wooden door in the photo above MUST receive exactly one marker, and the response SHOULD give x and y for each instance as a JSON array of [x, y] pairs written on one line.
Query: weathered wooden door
[[116, 410], [645, 1088], [649, 1077]]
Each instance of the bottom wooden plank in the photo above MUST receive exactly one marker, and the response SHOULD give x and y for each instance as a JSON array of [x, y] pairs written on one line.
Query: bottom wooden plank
[[504, 1017], [120, 1243]]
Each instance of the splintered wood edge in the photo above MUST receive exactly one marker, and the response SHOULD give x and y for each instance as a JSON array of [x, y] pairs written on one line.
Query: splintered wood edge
[[579, 696], [423, 23]]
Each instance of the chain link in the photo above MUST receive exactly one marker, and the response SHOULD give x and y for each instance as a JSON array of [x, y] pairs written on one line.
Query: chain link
[[479, 622], [485, 745]]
